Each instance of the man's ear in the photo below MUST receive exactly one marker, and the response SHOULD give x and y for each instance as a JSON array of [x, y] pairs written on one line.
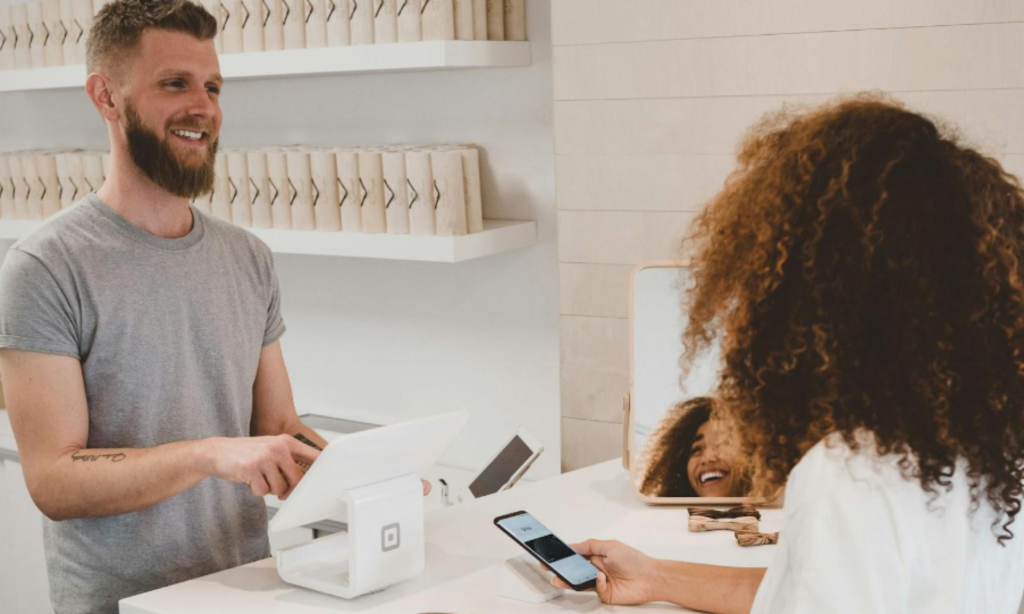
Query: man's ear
[[100, 89]]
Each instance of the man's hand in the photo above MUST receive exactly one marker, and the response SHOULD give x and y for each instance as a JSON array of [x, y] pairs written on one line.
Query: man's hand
[[268, 465], [626, 575]]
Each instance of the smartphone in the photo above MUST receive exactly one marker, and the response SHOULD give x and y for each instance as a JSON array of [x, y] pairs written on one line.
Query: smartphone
[[567, 564]]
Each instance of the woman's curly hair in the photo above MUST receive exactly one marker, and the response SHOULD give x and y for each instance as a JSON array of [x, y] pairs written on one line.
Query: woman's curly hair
[[668, 449], [863, 271]]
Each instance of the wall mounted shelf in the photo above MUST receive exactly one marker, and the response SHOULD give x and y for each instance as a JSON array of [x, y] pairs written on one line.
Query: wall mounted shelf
[[354, 59], [498, 236]]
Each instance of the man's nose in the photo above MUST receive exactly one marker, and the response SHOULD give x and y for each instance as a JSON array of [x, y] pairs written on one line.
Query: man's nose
[[202, 105]]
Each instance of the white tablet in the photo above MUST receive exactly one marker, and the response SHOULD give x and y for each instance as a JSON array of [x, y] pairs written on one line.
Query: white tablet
[[365, 458], [506, 467]]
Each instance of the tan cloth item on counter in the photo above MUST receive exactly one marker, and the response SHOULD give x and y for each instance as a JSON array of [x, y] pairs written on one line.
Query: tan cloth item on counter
[[753, 538], [701, 523], [733, 512]]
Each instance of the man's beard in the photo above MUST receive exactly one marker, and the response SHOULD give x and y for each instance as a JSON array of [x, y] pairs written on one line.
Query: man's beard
[[155, 157]]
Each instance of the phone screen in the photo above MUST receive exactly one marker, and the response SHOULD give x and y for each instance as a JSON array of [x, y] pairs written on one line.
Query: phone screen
[[502, 468], [562, 559]]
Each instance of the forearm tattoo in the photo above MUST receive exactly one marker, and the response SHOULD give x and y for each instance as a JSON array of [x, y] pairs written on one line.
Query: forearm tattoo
[[114, 458]]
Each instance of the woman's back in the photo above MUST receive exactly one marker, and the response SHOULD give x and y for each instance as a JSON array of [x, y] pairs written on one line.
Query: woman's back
[[859, 537]]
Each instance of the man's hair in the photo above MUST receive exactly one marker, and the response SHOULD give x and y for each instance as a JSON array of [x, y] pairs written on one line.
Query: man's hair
[[864, 269], [119, 26]]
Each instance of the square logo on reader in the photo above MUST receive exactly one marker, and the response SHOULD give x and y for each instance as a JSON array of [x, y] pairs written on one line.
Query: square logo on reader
[[390, 537]]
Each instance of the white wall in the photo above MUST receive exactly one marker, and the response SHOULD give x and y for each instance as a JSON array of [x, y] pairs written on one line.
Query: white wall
[[652, 98], [385, 341]]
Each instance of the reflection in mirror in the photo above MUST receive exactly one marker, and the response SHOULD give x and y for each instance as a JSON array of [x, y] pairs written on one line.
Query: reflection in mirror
[[681, 451]]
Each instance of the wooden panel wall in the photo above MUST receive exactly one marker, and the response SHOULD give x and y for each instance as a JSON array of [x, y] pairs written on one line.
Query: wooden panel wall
[[653, 96]]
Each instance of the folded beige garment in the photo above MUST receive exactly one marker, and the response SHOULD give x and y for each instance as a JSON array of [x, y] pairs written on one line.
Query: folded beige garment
[[701, 523], [753, 538]]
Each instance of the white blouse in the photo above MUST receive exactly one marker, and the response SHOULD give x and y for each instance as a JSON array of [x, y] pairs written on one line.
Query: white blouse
[[859, 538]]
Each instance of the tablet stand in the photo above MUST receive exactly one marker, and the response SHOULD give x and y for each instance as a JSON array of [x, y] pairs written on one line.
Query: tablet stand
[[384, 543], [522, 578]]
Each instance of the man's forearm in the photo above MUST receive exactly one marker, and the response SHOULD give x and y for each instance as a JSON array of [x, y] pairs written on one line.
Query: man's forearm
[[85, 483], [298, 428], [709, 588], [292, 427]]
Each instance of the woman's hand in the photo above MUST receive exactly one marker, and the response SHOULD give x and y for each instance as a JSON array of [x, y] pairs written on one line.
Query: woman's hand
[[626, 575]]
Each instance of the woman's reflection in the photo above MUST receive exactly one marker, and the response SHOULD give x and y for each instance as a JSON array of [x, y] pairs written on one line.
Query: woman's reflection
[[692, 455]]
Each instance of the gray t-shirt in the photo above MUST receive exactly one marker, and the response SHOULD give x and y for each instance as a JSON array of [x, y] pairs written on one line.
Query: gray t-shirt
[[169, 333]]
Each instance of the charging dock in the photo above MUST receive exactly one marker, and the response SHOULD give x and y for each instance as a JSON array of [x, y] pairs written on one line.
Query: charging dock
[[522, 578]]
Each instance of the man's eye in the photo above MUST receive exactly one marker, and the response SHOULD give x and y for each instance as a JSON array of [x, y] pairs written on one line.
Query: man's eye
[[176, 83], [213, 89]]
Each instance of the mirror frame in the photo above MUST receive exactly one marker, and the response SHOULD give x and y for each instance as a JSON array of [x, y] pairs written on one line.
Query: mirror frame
[[629, 443]]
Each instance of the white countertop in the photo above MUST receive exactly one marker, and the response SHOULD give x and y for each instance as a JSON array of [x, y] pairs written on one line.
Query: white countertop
[[465, 550]]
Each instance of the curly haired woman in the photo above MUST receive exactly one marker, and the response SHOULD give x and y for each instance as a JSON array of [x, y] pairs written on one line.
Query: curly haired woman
[[688, 455], [865, 271]]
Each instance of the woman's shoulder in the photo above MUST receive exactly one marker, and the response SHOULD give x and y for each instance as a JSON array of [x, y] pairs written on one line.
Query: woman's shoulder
[[856, 474]]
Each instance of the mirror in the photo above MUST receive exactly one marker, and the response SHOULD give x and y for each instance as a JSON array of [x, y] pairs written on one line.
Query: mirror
[[675, 454]]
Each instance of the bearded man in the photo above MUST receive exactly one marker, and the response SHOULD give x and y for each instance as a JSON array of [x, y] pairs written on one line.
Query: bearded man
[[139, 339]]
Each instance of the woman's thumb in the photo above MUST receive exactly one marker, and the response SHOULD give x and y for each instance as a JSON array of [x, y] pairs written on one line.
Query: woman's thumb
[[602, 585]]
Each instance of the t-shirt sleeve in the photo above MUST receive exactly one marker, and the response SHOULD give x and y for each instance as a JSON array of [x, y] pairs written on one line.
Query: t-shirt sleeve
[[35, 312], [842, 549], [275, 323]]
